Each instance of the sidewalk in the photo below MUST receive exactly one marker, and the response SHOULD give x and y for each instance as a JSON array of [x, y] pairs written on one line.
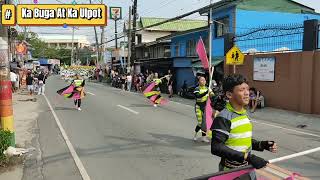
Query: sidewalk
[[288, 118], [272, 115], [26, 112]]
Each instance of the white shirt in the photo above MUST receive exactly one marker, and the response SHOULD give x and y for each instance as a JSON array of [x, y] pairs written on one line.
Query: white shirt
[[129, 78], [13, 76]]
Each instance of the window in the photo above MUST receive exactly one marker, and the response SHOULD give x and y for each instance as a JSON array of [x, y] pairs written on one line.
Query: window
[[191, 47], [139, 36], [167, 51], [146, 54], [177, 50], [222, 26], [151, 52]]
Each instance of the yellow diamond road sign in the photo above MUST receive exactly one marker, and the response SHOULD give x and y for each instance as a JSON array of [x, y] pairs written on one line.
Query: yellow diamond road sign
[[235, 56]]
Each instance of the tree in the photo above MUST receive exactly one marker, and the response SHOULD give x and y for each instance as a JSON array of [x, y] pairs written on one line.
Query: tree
[[39, 48], [84, 54], [64, 56]]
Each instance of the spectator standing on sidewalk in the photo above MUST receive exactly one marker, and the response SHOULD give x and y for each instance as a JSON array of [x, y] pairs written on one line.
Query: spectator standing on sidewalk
[[123, 82], [29, 82], [169, 83], [42, 83], [100, 75], [129, 81], [18, 80], [170, 86], [13, 78]]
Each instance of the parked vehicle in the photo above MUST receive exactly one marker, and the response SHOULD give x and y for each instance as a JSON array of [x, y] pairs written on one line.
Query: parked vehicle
[[187, 92]]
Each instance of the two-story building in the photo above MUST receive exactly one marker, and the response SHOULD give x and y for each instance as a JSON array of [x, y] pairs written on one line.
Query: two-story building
[[65, 41], [242, 18], [153, 55]]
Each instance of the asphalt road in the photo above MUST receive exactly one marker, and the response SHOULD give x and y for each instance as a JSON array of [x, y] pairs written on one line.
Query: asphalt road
[[119, 135]]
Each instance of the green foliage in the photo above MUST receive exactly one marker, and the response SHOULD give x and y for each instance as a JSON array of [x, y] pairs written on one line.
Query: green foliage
[[84, 54], [64, 55], [39, 49], [5, 138]]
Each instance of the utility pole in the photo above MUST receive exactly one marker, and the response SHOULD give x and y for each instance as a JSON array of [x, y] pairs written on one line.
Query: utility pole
[[97, 41], [129, 39], [25, 33], [102, 40], [116, 41], [102, 43], [72, 48], [6, 110], [211, 69], [134, 25]]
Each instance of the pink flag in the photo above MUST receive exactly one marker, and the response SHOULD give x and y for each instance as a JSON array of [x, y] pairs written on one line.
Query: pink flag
[[201, 50], [150, 87], [232, 175], [208, 114]]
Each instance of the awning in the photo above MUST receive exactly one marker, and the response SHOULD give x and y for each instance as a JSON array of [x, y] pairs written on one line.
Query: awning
[[215, 61]]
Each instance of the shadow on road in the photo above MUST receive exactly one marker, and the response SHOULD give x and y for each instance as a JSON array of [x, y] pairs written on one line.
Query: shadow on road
[[129, 143], [64, 109]]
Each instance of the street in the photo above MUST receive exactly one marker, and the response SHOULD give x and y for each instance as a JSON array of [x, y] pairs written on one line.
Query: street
[[120, 135]]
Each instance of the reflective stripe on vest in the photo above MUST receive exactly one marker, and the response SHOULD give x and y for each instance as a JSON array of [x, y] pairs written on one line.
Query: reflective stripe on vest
[[240, 136], [78, 82], [201, 91], [157, 81]]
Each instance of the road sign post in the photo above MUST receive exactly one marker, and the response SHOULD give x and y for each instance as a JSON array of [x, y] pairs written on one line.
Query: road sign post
[[115, 14]]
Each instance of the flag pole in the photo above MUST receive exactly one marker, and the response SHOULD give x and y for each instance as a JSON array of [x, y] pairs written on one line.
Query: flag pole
[[280, 159], [211, 69]]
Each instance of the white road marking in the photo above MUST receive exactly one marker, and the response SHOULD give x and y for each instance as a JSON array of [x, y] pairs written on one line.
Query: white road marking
[[288, 129], [91, 93], [255, 121], [128, 109], [83, 172]]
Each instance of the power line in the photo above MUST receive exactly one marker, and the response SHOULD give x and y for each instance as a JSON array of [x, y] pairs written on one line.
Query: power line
[[215, 6], [169, 2]]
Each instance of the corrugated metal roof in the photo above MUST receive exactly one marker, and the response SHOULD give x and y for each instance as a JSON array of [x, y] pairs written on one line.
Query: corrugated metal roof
[[274, 5], [180, 25]]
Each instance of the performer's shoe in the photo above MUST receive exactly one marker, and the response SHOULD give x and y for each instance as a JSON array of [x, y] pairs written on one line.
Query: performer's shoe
[[205, 139], [79, 109], [155, 105], [195, 138]]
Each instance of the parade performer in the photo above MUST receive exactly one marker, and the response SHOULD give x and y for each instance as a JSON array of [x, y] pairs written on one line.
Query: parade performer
[[152, 92], [232, 130], [202, 92], [75, 91]]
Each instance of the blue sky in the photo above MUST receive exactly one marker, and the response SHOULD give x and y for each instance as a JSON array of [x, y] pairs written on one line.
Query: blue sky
[[150, 8]]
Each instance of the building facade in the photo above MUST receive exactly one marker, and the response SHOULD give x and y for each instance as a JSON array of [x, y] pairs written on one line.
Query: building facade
[[257, 26], [153, 55], [65, 41]]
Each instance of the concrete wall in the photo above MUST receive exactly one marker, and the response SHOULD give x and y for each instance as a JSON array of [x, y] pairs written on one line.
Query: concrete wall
[[297, 81], [316, 82]]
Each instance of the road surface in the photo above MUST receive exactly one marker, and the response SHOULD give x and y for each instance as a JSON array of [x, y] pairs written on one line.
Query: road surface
[[119, 135]]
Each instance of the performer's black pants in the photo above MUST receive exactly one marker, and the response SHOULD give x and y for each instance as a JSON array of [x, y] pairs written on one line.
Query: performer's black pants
[[77, 101], [198, 129]]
